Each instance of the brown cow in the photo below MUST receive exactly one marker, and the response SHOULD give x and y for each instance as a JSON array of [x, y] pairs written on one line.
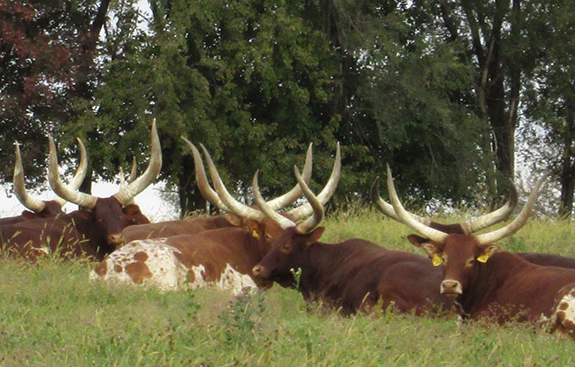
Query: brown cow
[[499, 286], [220, 257], [474, 225], [41, 208], [93, 232], [354, 275], [199, 224]]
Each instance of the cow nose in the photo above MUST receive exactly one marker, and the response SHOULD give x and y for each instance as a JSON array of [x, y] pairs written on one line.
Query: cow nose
[[116, 239], [257, 270], [450, 286]]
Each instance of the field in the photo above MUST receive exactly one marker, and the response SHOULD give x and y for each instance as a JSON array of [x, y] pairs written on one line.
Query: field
[[52, 315]]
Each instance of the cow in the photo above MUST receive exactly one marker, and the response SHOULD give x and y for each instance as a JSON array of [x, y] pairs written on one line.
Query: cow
[[93, 231], [492, 285], [199, 224], [221, 257], [474, 225], [351, 276], [41, 208]]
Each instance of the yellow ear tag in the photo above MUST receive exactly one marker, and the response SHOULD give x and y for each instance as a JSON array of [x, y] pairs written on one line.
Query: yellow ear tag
[[436, 261], [483, 258], [256, 234]]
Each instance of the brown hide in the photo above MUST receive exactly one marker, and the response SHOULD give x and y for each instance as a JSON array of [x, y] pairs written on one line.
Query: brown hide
[[174, 228], [51, 209], [92, 233], [353, 275]]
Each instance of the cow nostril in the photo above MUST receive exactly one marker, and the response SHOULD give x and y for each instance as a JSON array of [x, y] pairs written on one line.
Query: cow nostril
[[257, 270]]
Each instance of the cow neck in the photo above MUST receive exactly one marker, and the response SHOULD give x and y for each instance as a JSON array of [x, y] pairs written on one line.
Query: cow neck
[[487, 279]]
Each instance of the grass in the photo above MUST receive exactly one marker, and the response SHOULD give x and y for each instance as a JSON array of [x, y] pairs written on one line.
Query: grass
[[51, 315]]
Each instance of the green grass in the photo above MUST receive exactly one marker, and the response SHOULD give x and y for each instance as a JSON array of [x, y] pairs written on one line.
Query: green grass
[[51, 315]]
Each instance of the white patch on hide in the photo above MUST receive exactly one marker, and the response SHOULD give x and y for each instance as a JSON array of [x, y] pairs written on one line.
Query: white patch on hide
[[167, 271], [230, 279]]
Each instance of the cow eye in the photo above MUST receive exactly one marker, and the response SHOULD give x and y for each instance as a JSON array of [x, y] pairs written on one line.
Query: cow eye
[[470, 262]]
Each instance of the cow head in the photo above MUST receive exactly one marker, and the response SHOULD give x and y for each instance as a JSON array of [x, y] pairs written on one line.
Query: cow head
[[110, 215], [460, 255], [289, 251]]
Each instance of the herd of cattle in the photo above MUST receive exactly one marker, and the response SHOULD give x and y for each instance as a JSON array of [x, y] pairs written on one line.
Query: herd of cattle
[[263, 244]]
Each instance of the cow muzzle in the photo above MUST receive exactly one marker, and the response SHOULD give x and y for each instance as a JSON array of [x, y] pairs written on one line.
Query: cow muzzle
[[116, 239], [258, 271], [451, 288]]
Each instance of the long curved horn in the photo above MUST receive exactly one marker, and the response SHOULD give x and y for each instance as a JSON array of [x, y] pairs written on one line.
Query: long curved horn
[[326, 193], [234, 206], [202, 179], [295, 192], [518, 222], [269, 212], [32, 203], [125, 195], [78, 178], [131, 179], [487, 220], [312, 222], [387, 208], [63, 191], [407, 219]]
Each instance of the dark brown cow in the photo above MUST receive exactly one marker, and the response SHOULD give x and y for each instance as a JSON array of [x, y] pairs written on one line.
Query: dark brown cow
[[352, 275], [41, 208], [495, 285], [95, 231], [199, 224], [220, 257], [474, 225]]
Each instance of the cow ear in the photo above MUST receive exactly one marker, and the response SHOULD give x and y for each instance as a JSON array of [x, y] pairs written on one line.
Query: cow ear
[[426, 245], [234, 220], [254, 228], [315, 235], [486, 252]]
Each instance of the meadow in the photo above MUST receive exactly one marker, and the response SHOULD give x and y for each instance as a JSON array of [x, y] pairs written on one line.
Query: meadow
[[52, 315]]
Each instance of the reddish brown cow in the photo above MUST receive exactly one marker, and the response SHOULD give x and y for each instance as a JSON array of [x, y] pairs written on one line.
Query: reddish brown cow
[[352, 275], [94, 231], [474, 225], [199, 224], [221, 257], [41, 208], [496, 285]]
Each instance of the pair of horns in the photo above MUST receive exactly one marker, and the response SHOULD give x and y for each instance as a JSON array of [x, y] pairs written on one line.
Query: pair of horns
[[34, 204], [126, 193], [483, 239], [469, 226], [221, 198], [314, 206]]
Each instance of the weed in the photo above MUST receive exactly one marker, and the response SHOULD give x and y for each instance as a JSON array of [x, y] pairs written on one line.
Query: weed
[[243, 315]]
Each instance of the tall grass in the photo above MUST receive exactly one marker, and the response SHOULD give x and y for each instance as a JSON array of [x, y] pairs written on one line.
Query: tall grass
[[51, 315]]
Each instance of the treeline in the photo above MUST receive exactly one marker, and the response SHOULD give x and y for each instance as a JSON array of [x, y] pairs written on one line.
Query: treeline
[[435, 89]]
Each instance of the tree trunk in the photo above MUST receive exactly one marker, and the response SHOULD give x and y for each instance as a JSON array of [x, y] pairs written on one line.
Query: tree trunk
[[567, 165], [191, 199]]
